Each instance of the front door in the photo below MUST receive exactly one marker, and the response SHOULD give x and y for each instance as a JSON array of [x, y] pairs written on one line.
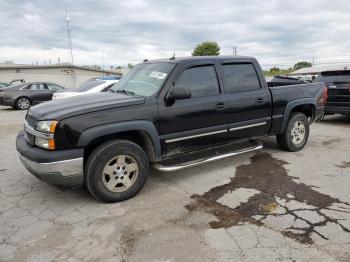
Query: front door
[[39, 92], [196, 122]]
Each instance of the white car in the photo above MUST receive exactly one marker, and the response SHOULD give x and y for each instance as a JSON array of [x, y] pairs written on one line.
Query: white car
[[95, 86]]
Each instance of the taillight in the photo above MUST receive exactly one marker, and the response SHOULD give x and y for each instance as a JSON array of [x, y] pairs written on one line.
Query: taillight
[[323, 98]]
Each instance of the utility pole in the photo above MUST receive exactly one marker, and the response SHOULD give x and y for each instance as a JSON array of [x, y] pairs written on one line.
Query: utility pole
[[313, 61], [103, 64], [69, 45], [235, 50], [69, 40]]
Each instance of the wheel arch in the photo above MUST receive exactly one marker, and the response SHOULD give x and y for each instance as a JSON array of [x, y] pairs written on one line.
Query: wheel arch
[[306, 106], [141, 132]]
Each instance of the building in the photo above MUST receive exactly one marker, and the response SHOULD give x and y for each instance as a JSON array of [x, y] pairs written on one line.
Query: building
[[66, 75], [320, 68]]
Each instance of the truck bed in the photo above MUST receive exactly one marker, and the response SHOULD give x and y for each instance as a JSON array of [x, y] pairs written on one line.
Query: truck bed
[[283, 95]]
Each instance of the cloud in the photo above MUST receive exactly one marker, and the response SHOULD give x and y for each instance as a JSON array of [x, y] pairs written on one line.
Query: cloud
[[274, 31]]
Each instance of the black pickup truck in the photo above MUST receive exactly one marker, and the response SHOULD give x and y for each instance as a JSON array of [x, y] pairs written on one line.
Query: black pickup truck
[[172, 113]]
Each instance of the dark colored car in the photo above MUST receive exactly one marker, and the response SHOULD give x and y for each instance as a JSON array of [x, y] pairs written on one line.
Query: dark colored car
[[338, 84], [173, 114], [25, 95]]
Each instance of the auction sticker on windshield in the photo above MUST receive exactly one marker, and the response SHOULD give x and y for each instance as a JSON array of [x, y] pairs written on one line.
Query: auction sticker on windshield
[[158, 75]]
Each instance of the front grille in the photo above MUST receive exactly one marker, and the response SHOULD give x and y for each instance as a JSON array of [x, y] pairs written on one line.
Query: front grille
[[31, 121], [30, 138]]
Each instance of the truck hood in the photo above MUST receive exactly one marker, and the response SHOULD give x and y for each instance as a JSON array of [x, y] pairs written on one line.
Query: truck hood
[[72, 106]]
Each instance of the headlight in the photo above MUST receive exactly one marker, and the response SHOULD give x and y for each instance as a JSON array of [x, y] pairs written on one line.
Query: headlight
[[45, 143], [46, 126]]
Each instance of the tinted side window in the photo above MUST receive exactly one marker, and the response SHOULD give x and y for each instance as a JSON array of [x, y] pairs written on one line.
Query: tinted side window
[[37, 87], [240, 78], [202, 81]]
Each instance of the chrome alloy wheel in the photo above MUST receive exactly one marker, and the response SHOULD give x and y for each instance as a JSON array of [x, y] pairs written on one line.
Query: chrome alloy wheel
[[120, 173], [23, 103], [298, 132]]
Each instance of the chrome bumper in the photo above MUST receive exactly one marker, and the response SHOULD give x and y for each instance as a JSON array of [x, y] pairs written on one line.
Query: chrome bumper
[[71, 167], [65, 173]]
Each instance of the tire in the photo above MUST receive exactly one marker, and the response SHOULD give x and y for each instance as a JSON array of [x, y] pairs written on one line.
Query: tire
[[23, 103], [116, 171], [296, 133]]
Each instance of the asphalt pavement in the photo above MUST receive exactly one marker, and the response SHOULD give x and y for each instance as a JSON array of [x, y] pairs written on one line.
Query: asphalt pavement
[[264, 206]]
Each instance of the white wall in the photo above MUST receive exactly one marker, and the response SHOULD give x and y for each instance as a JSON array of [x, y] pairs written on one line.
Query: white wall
[[67, 77]]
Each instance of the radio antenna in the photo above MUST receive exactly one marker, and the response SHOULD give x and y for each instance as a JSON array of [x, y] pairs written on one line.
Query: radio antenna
[[69, 38]]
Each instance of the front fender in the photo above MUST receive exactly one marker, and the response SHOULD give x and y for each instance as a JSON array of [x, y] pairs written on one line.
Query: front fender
[[109, 129]]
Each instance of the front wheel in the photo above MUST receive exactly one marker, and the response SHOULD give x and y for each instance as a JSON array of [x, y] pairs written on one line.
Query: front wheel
[[296, 133], [116, 171]]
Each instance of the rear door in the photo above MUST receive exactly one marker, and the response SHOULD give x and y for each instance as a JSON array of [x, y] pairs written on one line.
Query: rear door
[[247, 99], [196, 122]]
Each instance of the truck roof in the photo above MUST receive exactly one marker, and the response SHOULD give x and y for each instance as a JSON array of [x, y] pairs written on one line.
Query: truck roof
[[200, 58]]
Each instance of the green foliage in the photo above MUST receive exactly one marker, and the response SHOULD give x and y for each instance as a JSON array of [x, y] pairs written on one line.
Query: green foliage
[[277, 71], [301, 65], [206, 49]]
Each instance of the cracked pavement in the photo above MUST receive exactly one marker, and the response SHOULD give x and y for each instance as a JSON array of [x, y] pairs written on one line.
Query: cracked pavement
[[264, 206]]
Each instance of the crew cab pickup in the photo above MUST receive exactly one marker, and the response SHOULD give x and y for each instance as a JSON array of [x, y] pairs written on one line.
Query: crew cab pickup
[[169, 113]]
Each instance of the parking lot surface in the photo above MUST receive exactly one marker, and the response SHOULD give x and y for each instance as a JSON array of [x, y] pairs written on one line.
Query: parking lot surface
[[264, 206]]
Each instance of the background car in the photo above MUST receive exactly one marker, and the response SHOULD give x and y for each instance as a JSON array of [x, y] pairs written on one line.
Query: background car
[[14, 82], [338, 84], [23, 96], [95, 86]]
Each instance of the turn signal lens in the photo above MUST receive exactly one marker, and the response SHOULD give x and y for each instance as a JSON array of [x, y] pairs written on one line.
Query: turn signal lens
[[52, 144]]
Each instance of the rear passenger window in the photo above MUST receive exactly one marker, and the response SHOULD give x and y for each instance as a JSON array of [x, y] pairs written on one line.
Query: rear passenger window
[[202, 81], [240, 78]]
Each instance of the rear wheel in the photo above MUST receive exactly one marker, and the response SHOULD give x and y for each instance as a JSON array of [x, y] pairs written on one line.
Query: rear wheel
[[116, 171], [22, 103], [296, 134]]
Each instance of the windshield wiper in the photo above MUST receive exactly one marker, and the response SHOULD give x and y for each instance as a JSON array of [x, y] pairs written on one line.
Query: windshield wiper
[[125, 92]]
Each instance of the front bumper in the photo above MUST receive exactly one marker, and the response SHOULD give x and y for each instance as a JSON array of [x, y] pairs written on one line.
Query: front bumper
[[64, 167]]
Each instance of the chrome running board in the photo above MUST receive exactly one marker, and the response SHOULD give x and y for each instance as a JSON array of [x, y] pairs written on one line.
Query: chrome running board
[[176, 164]]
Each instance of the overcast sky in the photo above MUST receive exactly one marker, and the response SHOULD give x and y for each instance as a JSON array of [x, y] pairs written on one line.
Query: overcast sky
[[276, 32]]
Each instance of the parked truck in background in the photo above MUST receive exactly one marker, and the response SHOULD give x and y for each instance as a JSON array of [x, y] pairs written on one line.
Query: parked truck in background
[[169, 113]]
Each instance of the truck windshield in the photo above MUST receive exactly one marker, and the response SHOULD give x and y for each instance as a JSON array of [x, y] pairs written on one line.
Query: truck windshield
[[143, 79]]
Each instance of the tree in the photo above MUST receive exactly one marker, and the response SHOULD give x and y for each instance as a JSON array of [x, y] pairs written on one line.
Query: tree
[[278, 71], [301, 65], [206, 48], [274, 69]]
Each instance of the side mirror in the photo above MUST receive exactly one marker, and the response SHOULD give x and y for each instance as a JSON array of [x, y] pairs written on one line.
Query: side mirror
[[178, 93]]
